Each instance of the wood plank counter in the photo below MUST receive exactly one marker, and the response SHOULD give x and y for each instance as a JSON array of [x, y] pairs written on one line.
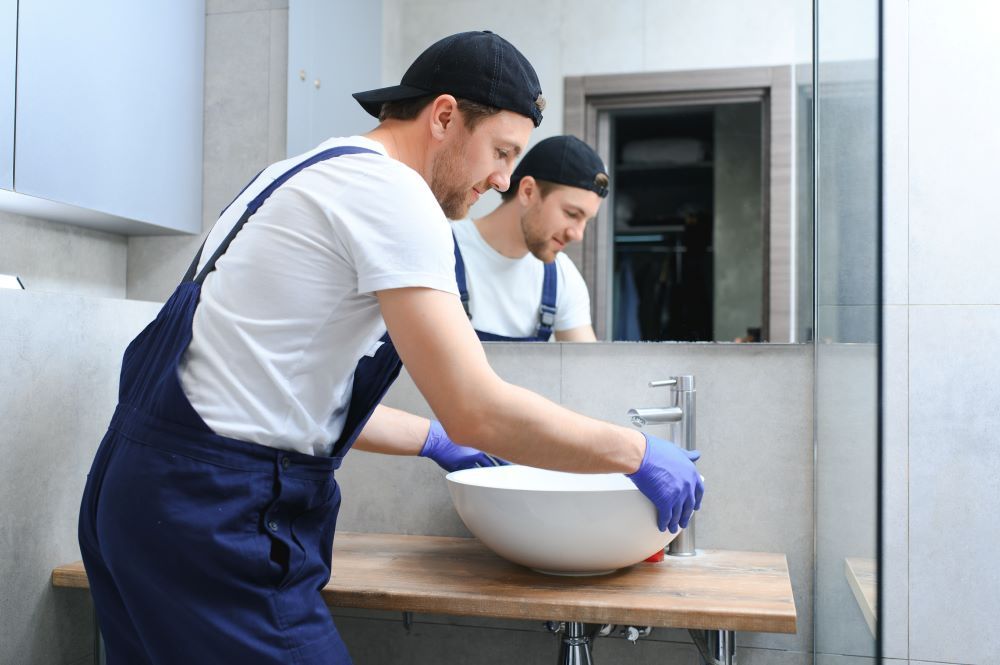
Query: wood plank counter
[[717, 590]]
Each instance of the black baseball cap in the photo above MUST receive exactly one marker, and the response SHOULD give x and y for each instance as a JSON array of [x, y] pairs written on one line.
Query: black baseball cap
[[564, 160], [482, 67]]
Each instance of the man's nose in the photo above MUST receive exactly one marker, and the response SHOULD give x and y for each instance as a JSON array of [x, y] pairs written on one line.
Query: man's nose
[[575, 232], [499, 181]]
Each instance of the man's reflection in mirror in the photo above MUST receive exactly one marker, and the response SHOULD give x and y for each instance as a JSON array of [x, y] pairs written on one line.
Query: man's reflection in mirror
[[515, 282]]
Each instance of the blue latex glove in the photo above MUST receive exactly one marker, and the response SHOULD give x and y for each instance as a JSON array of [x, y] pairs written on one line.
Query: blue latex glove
[[668, 477], [452, 457]]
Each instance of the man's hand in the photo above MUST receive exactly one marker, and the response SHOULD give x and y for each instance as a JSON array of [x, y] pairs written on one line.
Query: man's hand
[[668, 477]]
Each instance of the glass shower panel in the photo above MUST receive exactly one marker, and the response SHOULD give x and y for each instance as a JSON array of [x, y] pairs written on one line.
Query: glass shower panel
[[846, 199]]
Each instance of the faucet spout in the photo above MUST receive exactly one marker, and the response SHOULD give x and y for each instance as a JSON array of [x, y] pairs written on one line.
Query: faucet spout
[[643, 417]]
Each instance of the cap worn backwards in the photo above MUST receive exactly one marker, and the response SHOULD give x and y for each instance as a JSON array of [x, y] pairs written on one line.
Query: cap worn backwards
[[481, 67], [564, 160]]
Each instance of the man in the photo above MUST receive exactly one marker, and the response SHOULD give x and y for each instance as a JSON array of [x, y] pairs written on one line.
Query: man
[[208, 516], [514, 281]]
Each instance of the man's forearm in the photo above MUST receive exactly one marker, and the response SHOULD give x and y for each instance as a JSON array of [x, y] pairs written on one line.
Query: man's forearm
[[579, 334], [393, 432]]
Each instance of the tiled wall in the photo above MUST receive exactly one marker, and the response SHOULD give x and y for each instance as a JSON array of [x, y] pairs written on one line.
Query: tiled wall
[[60, 258], [941, 320], [60, 356]]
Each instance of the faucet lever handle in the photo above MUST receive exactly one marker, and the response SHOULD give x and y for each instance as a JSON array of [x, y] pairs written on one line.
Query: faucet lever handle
[[662, 383]]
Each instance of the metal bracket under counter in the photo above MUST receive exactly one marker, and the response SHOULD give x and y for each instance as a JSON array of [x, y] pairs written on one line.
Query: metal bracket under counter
[[716, 594]]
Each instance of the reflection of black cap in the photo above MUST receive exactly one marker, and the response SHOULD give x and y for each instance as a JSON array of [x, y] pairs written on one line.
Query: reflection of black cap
[[481, 67], [565, 160]]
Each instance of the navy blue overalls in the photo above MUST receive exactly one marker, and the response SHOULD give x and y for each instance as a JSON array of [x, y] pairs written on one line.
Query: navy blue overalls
[[202, 548], [546, 310]]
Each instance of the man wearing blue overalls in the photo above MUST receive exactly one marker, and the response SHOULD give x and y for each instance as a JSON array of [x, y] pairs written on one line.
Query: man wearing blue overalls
[[207, 520], [513, 279]]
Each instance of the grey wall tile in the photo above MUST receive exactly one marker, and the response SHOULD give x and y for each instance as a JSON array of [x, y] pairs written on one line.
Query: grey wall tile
[[754, 428], [838, 659], [536, 366], [953, 229], [846, 492], [65, 353], [375, 640], [277, 86], [895, 155], [590, 46], [677, 35], [847, 324], [229, 6], [847, 224], [62, 258], [376, 643], [895, 492], [954, 481]]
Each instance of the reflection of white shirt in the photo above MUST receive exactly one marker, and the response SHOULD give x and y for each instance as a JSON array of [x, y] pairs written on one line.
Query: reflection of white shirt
[[505, 293], [291, 308]]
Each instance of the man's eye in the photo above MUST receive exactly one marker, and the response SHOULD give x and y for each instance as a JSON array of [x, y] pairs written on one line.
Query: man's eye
[[502, 154]]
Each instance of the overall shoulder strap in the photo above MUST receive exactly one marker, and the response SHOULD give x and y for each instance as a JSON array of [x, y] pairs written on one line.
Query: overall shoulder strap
[[258, 201], [463, 289], [547, 310]]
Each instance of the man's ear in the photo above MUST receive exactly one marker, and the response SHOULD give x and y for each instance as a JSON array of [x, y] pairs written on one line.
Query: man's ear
[[527, 190], [443, 115]]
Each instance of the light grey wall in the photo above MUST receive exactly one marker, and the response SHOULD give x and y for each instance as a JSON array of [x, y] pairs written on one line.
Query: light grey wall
[[755, 432], [942, 320], [61, 258], [59, 358]]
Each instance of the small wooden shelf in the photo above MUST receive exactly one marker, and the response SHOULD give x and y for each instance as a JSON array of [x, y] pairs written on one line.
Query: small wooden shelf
[[861, 577]]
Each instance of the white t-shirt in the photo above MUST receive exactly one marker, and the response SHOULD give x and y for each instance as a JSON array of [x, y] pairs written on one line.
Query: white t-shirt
[[505, 293], [290, 308]]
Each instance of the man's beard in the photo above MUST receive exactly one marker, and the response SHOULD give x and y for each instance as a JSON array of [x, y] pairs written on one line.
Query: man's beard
[[538, 244], [446, 175]]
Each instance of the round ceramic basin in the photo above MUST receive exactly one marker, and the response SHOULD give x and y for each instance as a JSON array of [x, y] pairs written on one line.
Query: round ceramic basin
[[558, 523]]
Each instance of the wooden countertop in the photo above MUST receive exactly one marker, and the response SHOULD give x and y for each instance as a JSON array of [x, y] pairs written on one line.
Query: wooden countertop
[[719, 589]]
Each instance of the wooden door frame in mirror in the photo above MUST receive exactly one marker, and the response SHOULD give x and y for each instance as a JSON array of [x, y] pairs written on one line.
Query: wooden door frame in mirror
[[587, 97]]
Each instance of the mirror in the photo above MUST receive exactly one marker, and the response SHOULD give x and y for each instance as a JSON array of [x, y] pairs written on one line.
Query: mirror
[[701, 237]]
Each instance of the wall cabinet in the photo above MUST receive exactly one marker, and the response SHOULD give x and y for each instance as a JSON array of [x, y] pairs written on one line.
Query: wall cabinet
[[8, 56], [334, 49], [108, 113]]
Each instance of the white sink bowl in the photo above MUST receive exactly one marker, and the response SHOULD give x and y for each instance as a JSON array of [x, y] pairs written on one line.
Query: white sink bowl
[[558, 523]]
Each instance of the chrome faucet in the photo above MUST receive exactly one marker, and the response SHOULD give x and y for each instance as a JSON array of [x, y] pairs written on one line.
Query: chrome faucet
[[680, 416]]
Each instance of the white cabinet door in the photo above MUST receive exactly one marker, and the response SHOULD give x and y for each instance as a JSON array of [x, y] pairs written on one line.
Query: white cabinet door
[[109, 110], [8, 59], [334, 49]]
